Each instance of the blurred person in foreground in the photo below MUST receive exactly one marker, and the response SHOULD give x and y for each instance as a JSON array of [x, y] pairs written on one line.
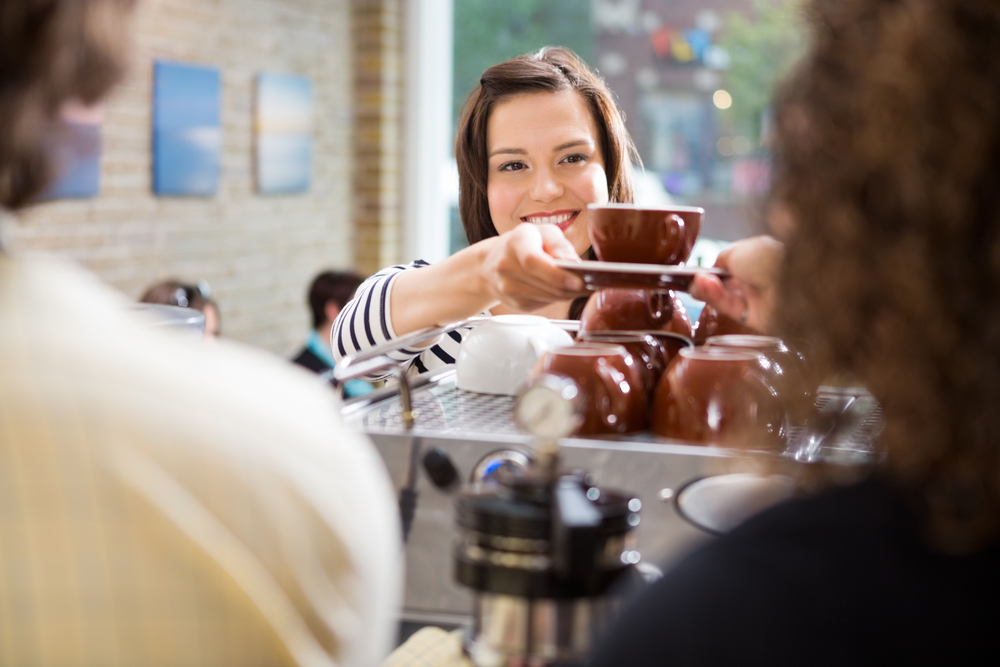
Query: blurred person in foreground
[[176, 293], [162, 503], [329, 292], [887, 196]]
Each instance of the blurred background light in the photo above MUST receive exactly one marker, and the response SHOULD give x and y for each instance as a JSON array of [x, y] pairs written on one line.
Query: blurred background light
[[722, 99]]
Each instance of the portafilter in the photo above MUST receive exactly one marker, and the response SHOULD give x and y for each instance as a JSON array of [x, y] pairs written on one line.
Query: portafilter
[[546, 552]]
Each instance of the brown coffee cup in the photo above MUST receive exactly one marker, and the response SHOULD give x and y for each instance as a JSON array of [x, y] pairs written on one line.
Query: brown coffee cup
[[635, 310], [654, 350], [717, 397], [786, 367], [713, 323], [628, 233], [609, 382]]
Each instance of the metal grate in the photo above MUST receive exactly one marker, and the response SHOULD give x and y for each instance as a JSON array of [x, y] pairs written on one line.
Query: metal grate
[[443, 409], [854, 445]]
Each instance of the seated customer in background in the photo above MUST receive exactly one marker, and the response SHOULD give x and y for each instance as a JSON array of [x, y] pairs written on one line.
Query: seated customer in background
[[161, 504], [328, 294], [176, 293]]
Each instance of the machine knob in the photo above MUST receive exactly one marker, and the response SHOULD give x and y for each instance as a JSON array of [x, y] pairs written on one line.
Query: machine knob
[[441, 469], [486, 471]]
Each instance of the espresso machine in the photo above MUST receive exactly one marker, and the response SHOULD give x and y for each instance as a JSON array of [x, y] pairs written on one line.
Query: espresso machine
[[514, 529]]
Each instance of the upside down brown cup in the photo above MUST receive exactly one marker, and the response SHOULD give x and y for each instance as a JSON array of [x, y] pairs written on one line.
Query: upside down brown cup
[[713, 323], [653, 350], [718, 397], [788, 369], [609, 382], [635, 310]]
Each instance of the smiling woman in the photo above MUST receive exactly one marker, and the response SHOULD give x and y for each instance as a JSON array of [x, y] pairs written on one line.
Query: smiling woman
[[545, 164], [539, 139]]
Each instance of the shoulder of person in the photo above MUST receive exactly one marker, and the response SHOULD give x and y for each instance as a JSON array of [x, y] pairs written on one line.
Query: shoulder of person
[[219, 433]]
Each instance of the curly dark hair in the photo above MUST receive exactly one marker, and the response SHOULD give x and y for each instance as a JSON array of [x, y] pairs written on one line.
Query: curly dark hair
[[888, 145], [51, 52]]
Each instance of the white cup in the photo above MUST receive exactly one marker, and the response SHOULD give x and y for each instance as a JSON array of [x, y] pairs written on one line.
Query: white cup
[[496, 357]]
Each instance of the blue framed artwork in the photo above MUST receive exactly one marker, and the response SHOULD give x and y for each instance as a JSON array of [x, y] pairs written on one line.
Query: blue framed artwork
[[187, 129], [283, 128], [77, 153]]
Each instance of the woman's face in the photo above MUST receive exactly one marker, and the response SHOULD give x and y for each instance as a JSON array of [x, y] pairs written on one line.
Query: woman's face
[[545, 164]]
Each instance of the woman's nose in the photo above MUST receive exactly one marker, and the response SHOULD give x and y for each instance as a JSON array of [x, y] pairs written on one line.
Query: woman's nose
[[546, 186]]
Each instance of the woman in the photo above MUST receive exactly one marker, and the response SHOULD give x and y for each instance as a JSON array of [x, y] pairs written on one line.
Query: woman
[[887, 195], [539, 139]]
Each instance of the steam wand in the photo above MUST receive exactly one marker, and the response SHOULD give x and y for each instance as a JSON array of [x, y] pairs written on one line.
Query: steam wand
[[377, 359]]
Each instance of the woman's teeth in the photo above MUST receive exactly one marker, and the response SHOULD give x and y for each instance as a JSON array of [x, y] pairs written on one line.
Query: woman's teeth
[[550, 219]]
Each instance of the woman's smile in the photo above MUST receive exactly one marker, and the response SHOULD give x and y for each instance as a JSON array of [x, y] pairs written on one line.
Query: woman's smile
[[562, 219]]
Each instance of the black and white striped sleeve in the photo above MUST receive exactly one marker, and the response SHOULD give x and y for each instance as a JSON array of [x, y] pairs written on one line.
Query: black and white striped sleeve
[[365, 322]]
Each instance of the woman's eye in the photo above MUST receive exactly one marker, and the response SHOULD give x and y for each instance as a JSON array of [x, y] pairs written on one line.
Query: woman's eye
[[577, 157], [511, 166]]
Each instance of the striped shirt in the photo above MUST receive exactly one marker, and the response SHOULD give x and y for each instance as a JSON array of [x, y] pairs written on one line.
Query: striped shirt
[[366, 322]]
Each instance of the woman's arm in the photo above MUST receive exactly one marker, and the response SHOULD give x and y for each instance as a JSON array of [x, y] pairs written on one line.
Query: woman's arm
[[514, 270]]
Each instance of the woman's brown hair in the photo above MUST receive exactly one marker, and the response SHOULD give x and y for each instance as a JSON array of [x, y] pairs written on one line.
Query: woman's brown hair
[[551, 70], [51, 52], [888, 145]]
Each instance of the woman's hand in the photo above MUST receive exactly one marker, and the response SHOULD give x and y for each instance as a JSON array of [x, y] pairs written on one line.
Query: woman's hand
[[748, 295], [514, 270], [517, 268]]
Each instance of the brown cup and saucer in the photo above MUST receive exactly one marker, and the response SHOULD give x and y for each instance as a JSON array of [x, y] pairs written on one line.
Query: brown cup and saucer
[[631, 234], [640, 248]]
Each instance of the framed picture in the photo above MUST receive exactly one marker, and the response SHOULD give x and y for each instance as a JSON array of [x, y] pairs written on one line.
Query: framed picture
[[187, 129], [283, 128]]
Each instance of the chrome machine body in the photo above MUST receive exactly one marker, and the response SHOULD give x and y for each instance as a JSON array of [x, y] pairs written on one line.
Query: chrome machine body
[[482, 442]]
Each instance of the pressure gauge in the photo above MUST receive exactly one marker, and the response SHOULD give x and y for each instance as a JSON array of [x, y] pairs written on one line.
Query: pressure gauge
[[549, 407]]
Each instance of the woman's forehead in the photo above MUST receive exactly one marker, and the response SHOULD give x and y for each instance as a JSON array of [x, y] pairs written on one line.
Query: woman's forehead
[[539, 121]]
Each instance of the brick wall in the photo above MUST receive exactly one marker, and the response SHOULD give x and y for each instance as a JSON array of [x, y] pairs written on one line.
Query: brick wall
[[378, 142], [258, 252]]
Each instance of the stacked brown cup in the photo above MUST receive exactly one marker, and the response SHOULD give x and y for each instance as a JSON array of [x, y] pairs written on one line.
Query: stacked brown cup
[[635, 363], [628, 337], [628, 234]]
